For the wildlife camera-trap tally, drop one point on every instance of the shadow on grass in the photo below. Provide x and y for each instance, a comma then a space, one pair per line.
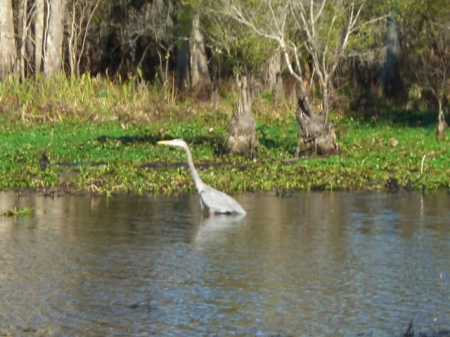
200, 165
275, 136
128, 140
213, 140
400, 118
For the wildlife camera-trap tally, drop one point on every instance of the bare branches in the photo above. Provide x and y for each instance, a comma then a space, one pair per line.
86, 33
320, 29
80, 14
237, 14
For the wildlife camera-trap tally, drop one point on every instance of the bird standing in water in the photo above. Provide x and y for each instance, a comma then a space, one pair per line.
216, 201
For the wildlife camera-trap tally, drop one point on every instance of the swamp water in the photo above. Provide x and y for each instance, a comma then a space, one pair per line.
313, 264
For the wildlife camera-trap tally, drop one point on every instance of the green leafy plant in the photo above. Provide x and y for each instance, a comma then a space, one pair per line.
17, 211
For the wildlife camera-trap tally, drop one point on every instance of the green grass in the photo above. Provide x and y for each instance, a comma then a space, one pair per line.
101, 137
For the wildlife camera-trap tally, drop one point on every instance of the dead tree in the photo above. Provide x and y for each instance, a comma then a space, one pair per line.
242, 126
317, 136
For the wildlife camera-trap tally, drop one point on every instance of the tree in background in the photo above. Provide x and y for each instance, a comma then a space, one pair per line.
79, 18
192, 60
200, 78
38, 35
171, 32
8, 51
23, 36
390, 79
53, 47
427, 50
44, 45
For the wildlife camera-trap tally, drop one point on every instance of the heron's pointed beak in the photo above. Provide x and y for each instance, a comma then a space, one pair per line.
164, 142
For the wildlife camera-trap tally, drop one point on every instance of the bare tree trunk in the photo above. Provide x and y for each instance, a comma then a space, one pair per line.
54, 37
242, 126
390, 74
73, 38
22, 32
8, 52
199, 64
38, 34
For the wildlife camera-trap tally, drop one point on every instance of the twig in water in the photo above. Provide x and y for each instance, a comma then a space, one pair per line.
410, 331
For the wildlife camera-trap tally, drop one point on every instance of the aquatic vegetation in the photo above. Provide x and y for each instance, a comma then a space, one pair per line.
99, 137
17, 211
105, 158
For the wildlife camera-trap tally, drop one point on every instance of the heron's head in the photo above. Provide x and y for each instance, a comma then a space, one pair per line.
174, 142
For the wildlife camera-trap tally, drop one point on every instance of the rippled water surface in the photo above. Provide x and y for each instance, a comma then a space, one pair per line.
312, 264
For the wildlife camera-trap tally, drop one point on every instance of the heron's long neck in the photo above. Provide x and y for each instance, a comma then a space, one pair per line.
198, 181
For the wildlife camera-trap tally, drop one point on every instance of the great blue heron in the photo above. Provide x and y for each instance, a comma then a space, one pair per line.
216, 201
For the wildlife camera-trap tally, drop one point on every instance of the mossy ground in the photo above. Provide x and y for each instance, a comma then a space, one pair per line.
93, 147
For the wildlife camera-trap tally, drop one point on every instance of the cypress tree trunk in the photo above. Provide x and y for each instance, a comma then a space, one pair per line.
198, 61
317, 136
390, 74
242, 126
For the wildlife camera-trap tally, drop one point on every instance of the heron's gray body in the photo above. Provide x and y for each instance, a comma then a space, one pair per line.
216, 201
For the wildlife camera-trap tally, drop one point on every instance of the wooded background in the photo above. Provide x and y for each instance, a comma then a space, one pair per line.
321, 54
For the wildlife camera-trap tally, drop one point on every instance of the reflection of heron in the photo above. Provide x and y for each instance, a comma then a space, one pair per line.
216, 201
214, 230
221, 222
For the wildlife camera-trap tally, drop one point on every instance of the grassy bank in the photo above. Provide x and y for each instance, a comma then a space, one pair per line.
95, 136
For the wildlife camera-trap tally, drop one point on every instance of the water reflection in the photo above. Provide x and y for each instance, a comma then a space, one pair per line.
215, 229
313, 264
